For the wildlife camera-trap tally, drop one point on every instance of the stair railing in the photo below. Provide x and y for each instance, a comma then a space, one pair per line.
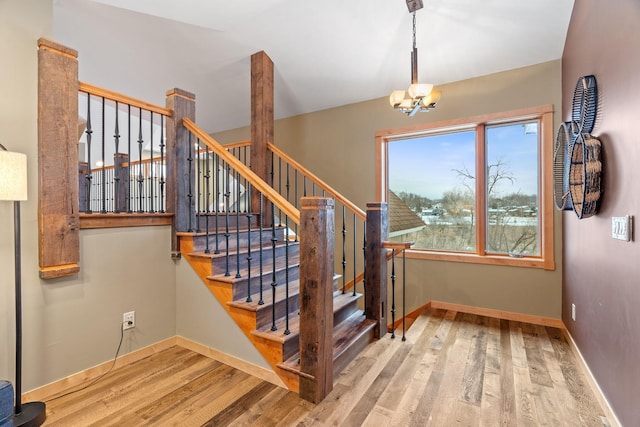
218, 189
398, 248
292, 180
122, 153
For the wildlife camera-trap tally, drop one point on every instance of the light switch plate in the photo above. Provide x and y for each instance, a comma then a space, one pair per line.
621, 227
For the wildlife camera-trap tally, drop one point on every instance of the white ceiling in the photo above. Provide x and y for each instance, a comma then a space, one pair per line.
326, 52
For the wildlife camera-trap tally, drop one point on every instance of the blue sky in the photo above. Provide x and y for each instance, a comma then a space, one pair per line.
425, 165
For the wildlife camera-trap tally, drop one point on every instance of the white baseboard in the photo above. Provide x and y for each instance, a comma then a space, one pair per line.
604, 403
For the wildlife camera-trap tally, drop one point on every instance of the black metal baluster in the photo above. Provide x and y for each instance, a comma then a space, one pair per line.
404, 285
116, 177
217, 206
151, 203
140, 166
364, 270
89, 175
162, 165
286, 275
286, 186
198, 184
261, 213
207, 193
129, 159
274, 283
393, 293
238, 225
344, 251
296, 201
247, 185
272, 173
249, 216
190, 192
280, 188
355, 232
304, 185
313, 188
227, 194
103, 171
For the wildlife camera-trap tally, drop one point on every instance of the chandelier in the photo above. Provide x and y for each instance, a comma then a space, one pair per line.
420, 96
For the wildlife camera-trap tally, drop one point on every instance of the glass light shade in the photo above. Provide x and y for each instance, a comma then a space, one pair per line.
419, 90
432, 98
396, 97
406, 103
13, 176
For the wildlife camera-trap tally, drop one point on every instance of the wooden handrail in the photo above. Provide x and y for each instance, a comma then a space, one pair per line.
125, 99
237, 144
247, 173
326, 187
397, 245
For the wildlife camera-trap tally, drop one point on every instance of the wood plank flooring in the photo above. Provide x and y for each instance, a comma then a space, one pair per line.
453, 369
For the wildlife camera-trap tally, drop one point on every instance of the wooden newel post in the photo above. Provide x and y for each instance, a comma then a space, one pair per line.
180, 171
262, 125
376, 271
316, 297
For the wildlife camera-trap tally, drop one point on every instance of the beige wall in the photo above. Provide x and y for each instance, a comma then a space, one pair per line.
73, 323
338, 145
201, 318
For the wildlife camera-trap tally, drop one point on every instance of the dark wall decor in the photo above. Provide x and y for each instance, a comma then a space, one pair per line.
577, 167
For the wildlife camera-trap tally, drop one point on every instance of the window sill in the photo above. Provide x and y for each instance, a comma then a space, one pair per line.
528, 262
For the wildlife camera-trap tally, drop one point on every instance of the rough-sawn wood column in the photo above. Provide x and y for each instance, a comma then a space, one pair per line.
180, 183
316, 297
261, 125
376, 261
58, 217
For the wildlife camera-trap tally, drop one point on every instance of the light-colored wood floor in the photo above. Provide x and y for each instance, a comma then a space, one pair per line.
453, 369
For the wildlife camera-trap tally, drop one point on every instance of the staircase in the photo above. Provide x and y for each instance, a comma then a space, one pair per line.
271, 323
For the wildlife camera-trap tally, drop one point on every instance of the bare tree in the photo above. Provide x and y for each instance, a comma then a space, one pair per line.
496, 173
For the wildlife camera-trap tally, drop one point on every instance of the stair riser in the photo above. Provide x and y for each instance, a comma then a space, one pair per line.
356, 348
264, 317
292, 346
345, 312
240, 286
201, 221
218, 263
200, 241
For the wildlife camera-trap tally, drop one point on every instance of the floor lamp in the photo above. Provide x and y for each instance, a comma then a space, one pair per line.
13, 187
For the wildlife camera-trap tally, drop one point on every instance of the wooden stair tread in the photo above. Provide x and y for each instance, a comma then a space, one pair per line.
267, 298
340, 301
346, 332
243, 250
278, 335
267, 268
232, 231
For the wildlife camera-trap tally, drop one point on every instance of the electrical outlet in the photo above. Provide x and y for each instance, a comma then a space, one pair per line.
573, 312
129, 320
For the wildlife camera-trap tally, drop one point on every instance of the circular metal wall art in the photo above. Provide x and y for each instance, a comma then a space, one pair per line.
561, 162
585, 103
585, 175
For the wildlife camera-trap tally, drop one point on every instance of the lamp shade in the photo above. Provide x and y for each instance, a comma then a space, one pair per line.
419, 90
13, 176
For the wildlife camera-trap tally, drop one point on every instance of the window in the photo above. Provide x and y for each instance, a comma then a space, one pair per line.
477, 187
